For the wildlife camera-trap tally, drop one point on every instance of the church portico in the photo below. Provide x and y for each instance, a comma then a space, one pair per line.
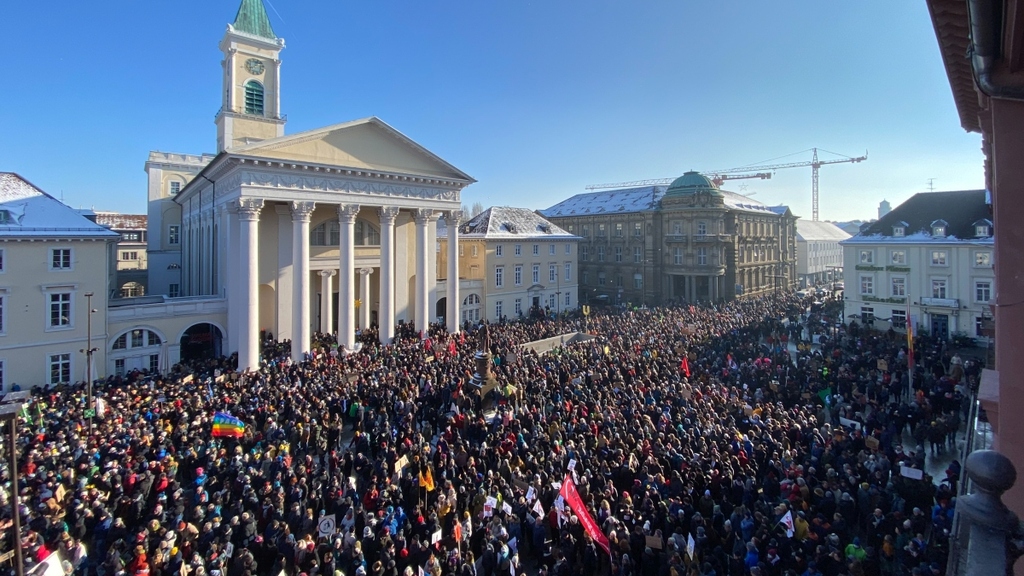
329, 229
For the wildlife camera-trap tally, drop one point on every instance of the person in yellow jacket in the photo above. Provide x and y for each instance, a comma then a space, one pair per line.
800, 527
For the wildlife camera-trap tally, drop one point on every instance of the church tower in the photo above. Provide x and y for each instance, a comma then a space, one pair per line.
251, 103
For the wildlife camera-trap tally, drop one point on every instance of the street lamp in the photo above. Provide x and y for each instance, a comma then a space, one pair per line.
89, 350
10, 406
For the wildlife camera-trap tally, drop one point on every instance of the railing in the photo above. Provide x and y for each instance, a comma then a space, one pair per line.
989, 534
978, 437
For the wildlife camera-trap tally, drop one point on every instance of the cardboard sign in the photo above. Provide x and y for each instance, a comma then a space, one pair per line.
521, 485
912, 473
748, 409
850, 423
506, 508
690, 546
60, 493
402, 463
556, 485
572, 464
489, 505
774, 385
531, 494
871, 442
883, 365
187, 379
435, 537
654, 542
513, 545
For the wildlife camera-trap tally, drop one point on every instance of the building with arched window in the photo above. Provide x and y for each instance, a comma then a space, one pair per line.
331, 229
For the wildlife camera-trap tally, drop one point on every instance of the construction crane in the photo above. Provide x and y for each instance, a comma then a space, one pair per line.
716, 177
815, 164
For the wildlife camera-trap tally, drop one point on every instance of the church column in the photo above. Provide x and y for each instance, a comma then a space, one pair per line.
231, 275
248, 257
230, 73
387, 273
346, 276
326, 299
301, 212
365, 303
423, 219
283, 329
453, 219
277, 88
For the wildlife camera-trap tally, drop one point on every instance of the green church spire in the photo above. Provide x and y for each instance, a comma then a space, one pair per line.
252, 19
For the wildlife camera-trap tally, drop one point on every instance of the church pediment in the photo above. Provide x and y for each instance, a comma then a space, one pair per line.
363, 145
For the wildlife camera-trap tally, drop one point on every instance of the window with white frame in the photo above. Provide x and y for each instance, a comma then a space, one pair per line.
867, 285
536, 273
981, 230
938, 287
174, 290
568, 299
154, 362
60, 369
499, 251
129, 255
677, 228
618, 229
638, 281
60, 310
938, 257
519, 250
601, 278
60, 259
471, 308
584, 253
475, 252
499, 276
899, 257
551, 249
982, 291
638, 229
498, 309
678, 256
519, 307
982, 259
702, 228
552, 303
600, 230
585, 230
462, 250
899, 286
867, 256
600, 253
174, 234
702, 256
568, 271
899, 318
585, 279
618, 279
568, 249
638, 254
939, 230
536, 249
899, 231
175, 188
517, 274
618, 253
552, 272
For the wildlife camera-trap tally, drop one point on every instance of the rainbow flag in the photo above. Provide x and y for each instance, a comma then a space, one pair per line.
227, 425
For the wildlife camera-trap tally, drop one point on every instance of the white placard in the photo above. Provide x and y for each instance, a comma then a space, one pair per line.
572, 464
850, 423
690, 546
531, 494
326, 526
506, 508
435, 537
912, 473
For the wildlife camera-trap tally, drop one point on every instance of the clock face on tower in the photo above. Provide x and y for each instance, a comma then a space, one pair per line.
254, 66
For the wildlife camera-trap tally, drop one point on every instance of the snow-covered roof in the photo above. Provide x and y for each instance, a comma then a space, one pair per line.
810, 230
643, 199
27, 211
957, 211
500, 222
117, 221
608, 202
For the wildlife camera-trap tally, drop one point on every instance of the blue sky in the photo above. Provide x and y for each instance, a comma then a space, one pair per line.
534, 99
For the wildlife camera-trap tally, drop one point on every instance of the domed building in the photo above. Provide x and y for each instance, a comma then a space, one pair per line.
685, 242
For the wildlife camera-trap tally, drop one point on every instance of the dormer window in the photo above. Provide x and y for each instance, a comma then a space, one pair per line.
939, 228
982, 228
5, 217
899, 231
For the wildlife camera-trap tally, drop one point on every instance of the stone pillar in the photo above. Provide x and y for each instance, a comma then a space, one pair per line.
326, 299
365, 302
453, 218
231, 276
284, 329
248, 258
346, 276
387, 273
301, 212
423, 219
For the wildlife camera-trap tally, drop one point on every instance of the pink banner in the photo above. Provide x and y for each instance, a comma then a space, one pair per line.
572, 498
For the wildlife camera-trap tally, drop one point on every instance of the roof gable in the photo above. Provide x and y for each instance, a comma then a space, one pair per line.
368, 144
510, 222
30, 212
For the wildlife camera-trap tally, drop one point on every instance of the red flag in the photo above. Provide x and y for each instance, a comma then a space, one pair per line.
427, 345
685, 366
572, 498
451, 347
462, 338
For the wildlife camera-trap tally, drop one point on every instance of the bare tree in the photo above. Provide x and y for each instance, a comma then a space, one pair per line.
477, 209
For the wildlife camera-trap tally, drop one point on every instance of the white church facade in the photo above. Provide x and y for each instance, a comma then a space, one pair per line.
326, 230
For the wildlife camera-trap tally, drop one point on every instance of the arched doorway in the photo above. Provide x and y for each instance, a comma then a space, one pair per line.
200, 342
441, 310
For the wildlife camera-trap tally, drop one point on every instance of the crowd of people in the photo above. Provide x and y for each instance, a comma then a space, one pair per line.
698, 443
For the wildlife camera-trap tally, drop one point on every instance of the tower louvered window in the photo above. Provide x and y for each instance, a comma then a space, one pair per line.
253, 98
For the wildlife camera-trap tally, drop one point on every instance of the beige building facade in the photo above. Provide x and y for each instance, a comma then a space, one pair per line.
51, 257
